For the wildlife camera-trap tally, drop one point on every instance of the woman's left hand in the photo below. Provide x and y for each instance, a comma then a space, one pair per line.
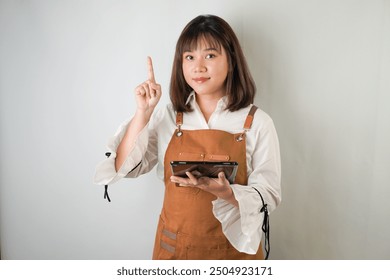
219, 187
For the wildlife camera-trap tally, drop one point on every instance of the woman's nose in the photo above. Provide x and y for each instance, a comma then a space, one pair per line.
200, 66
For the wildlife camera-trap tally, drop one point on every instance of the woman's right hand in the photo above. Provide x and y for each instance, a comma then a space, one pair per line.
147, 96
149, 92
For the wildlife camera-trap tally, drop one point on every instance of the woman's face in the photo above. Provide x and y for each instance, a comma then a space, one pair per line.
205, 69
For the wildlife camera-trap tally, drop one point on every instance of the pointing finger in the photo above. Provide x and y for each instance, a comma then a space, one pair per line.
150, 70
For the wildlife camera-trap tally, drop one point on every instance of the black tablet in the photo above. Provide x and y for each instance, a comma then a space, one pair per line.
205, 169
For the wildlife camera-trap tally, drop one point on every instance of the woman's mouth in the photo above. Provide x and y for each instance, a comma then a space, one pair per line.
200, 80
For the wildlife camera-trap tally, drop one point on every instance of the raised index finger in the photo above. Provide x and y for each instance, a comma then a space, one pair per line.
150, 69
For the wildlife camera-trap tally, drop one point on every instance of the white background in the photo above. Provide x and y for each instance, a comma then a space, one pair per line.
67, 74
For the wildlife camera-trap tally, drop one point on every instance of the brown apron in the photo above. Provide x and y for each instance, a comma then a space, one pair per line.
187, 228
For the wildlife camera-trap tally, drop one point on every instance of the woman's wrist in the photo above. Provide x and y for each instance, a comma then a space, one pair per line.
144, 114
230, 197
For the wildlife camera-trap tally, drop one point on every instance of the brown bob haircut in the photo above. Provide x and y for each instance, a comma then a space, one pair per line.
240, 87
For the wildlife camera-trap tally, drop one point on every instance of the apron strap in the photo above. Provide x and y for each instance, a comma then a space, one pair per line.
179, 122
248, 122
179, 118
249, 118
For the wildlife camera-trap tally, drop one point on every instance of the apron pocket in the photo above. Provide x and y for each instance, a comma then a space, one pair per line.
201, 156
185, 156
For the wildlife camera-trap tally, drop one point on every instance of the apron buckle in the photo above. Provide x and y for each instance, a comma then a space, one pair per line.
179, 132
240, 137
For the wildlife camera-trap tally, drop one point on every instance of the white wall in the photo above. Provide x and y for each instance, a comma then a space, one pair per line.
67, 73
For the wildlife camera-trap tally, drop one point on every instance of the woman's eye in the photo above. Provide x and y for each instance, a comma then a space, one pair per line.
210, 55
189, 57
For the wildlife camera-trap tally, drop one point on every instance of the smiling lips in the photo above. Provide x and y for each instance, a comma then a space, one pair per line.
200, 80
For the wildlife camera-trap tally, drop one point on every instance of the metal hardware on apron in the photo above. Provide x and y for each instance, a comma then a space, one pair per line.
187, 228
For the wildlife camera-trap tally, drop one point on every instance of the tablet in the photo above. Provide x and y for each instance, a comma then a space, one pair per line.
205, 169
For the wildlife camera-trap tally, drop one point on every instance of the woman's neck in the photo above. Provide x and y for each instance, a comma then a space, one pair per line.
207, 104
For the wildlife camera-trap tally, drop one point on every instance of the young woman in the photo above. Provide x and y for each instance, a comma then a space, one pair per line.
211, 118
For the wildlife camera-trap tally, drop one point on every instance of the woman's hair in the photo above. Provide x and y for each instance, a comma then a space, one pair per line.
240, 87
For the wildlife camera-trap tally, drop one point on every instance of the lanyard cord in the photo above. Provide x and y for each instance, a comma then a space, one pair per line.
106, 196
265, 226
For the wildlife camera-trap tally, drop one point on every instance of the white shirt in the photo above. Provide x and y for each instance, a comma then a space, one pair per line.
242, 225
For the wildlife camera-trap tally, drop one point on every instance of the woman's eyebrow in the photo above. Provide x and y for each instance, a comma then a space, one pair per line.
205, 50
210, 49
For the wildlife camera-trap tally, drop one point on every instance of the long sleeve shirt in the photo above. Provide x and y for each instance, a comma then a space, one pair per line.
241, 225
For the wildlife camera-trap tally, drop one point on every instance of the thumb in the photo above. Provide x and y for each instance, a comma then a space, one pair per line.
221, 176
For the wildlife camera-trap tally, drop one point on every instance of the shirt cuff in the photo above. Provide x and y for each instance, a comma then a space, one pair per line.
242, 225
105, 171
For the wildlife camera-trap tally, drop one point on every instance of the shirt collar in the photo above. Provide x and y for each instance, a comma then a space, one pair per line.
190, 97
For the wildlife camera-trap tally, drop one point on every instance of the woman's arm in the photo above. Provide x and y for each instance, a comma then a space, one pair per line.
147, 96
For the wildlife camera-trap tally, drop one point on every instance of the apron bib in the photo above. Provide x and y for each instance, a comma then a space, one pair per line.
187, 228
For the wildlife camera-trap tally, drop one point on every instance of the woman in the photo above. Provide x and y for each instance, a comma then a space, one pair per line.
211, 118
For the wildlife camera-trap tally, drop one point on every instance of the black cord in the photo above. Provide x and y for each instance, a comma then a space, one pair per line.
106, 196
265, 227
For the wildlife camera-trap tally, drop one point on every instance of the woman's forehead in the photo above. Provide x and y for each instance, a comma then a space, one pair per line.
203, 42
